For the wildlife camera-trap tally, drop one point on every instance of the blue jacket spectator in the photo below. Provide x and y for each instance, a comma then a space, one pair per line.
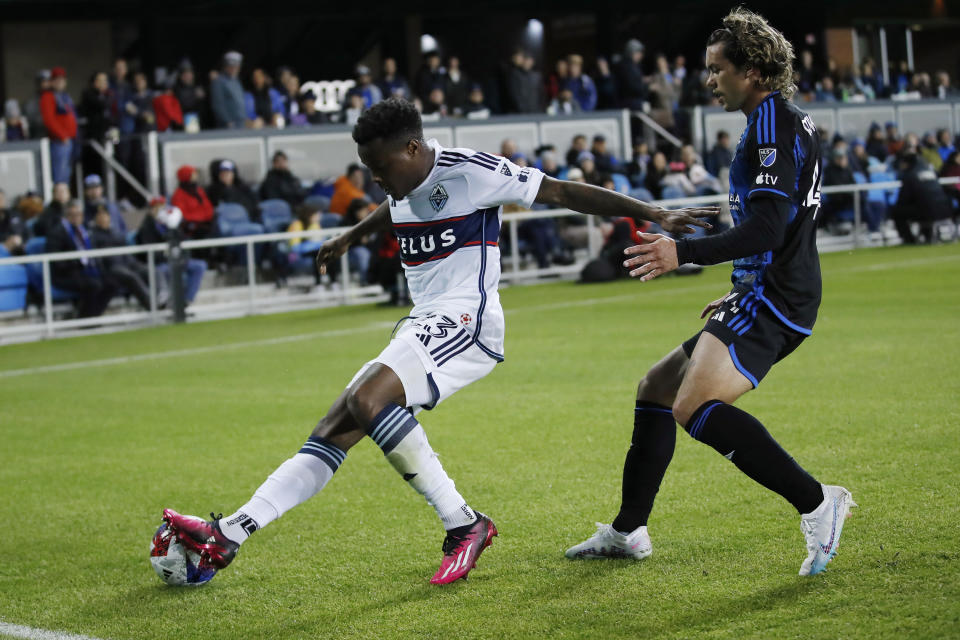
263, 101
392, 84
582, 86
93, 199
226, 94
371, 93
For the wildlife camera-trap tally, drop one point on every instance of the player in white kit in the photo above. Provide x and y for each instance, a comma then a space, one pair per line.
445, 208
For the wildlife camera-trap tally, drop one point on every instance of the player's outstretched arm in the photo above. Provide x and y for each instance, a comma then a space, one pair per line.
597, 201
336, 246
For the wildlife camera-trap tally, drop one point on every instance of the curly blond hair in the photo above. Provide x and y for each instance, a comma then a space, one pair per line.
749, 42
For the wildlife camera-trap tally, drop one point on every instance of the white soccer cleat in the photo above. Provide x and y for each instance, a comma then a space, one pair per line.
607, 542
822, 527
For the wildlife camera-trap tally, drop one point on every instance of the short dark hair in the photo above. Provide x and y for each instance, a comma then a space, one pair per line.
389, 119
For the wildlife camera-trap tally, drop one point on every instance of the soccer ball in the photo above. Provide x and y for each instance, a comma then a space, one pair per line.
176, 564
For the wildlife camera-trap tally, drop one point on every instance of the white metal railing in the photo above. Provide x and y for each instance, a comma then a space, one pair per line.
348, 292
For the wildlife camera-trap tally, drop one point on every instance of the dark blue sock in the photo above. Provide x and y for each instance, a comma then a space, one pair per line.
740, 438
651, 449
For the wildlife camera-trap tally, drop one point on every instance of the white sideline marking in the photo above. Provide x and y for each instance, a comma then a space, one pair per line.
20, 631
379, 326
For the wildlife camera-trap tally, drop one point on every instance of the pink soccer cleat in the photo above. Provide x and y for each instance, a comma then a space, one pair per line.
203, 537
462, 547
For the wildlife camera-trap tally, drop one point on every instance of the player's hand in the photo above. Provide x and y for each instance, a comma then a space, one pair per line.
713, 305
331, 250
682, 220
654, 258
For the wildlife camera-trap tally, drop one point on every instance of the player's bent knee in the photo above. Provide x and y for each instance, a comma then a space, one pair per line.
683, 409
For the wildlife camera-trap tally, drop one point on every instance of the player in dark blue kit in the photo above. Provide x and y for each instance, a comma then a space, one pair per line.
774, 199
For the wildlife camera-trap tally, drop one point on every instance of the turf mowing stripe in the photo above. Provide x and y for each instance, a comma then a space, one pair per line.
20, 631
587, 302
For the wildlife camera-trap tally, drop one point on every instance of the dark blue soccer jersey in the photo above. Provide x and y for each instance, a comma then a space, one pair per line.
779, 157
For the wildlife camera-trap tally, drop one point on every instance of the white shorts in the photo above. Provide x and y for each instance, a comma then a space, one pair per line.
434, 357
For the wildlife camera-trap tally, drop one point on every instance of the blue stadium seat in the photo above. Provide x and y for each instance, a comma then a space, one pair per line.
276, 215
230, 214
13, 287
318, 201
621, 183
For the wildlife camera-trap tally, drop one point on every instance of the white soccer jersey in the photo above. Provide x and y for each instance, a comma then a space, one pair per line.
448, 228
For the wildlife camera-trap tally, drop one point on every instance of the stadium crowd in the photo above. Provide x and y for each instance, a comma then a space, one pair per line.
119, 105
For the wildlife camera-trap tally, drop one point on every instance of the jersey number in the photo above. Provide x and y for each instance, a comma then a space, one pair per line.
813, 196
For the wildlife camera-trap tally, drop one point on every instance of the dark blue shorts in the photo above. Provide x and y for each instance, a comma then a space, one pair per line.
754, 336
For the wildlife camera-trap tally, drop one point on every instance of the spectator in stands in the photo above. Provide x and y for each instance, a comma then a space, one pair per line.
476, 108
825, 90
564, 104
192, 201
52, 214
371, 93
637, 167
921, 199
663, 95
166, 108
123, 271
358, 256
588, 165
119, 82
94, 199
353, 108
921, 85
96, 105
894, 141
392, 83
226, 94
704, 182
521, 93
631, 82
291, 96
11, 223
455, 87
137, 111
263, 104
876, 142
29, 206
950, 169
577, 146
943, 89
901, 77
945, 144
606, 85
60, 121
656, 172
808, 75
605, 161
83, 276
13, 126
348, 188
536, 82
869, 81
11, 246
308, 114
582, 86
190, 95
307, 219
557, 79
430, 74
836, 172
31, 109
549, 163
436, 105
158, 226
929, 150
508, 148
226, 186
281, 183
720, 155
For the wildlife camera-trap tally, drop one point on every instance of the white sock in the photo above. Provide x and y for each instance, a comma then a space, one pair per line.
405, 445
294, 482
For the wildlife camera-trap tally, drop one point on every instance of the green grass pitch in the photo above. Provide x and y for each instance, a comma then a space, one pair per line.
91, 455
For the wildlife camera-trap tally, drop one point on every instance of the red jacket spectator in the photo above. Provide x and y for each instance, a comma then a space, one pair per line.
59, 116
166, 107
190, 197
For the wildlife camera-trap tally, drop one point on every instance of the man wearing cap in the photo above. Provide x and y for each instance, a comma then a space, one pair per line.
94, 199
60, 120
633, 88
371, 93
308, 114
226, 94
192, 200
226, 186
83, 276
476, 108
